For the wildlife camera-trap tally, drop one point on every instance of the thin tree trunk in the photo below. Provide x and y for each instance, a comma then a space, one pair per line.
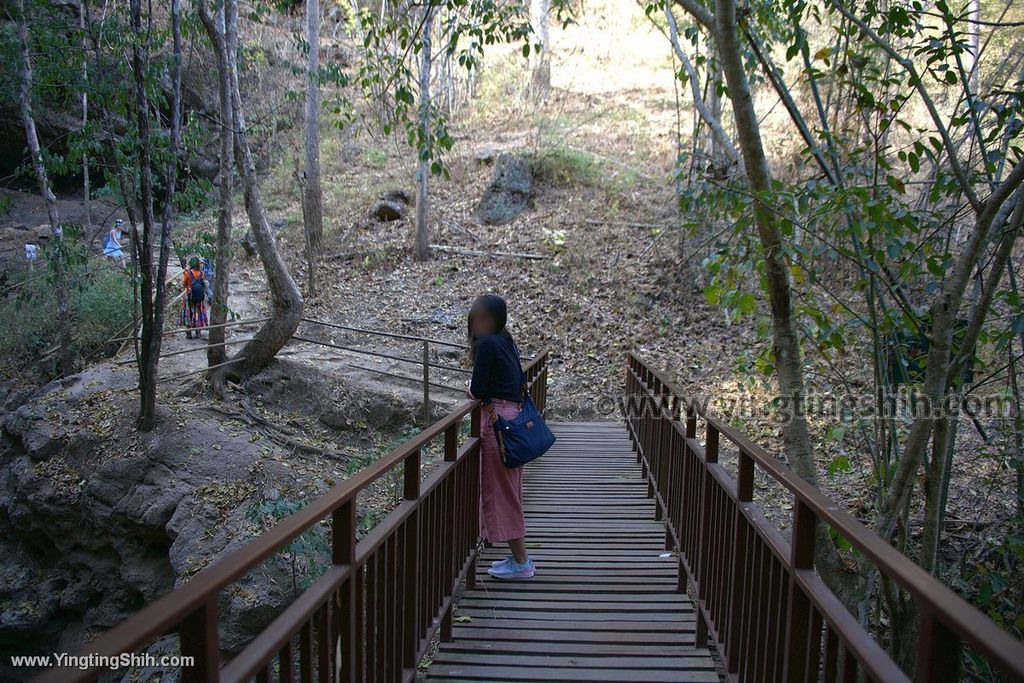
286, 299
147, 417
216, 31
313, 194
144, 247
35, 150
945, 430
974, 44
84, 98
540, 76
307, 245
719, 152
941, 368
421, 249
720, 139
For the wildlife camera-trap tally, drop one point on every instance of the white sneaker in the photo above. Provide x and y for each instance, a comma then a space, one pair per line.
498, 563
513, 570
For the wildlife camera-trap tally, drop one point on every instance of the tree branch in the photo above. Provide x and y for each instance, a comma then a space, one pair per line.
918, 84
698, 99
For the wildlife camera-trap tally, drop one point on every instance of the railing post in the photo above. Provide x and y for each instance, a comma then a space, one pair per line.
738, 580
200, 639
474, 480
426, 382
411, 564
450, 541
938, 651
343, 552
710, 457
451, 443
798, 614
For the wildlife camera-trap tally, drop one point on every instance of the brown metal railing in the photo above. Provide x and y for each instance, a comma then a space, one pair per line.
372, 614
758, 595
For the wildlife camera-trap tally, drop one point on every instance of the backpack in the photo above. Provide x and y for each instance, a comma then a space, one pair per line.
196, 290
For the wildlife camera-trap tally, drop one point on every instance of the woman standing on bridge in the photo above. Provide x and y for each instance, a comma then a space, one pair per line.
498, 380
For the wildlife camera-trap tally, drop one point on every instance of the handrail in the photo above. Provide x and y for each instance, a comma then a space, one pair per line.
758, 592
417, 554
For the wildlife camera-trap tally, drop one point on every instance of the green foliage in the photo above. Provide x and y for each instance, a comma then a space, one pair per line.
99, 297
375, 156
304, 554
392, 41
560, 165
992, 580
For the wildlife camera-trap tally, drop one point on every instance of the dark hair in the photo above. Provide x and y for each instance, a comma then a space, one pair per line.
496, 307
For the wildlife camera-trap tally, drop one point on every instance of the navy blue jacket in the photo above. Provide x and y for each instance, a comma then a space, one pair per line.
496, 371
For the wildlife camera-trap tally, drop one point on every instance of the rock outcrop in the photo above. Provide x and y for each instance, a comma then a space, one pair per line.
509, 191
97, 520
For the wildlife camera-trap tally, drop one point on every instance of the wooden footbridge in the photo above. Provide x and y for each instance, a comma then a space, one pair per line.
655, 563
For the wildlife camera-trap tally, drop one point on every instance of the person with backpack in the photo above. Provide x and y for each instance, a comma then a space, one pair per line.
193, 311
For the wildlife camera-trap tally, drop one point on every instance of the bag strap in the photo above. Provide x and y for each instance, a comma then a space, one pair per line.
498, 436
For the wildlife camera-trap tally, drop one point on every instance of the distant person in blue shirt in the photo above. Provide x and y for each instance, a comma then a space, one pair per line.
498, 381
112, 243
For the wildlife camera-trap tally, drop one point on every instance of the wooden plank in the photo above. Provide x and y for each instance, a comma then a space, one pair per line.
604, 605
556, 661
469, 672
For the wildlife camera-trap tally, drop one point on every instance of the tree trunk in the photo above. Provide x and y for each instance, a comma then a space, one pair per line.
286, 300
222, 42
974, 44
147, 361
719, 151
540, 76
147, 413
421, 249
313, 194
944, 431
84, 99
307, 245
35, 150
785, 342
720, 139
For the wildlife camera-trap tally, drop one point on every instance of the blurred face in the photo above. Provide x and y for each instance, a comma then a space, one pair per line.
481, 322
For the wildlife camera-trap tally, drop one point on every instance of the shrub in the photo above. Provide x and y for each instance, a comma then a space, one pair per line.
562, 165
100, 298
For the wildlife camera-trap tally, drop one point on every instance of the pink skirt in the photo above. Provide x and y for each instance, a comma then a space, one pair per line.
501, 488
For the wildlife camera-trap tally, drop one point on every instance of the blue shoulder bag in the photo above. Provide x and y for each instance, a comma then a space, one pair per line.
523, 438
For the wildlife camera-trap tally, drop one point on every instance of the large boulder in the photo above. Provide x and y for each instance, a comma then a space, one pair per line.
391, 206
509, 191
